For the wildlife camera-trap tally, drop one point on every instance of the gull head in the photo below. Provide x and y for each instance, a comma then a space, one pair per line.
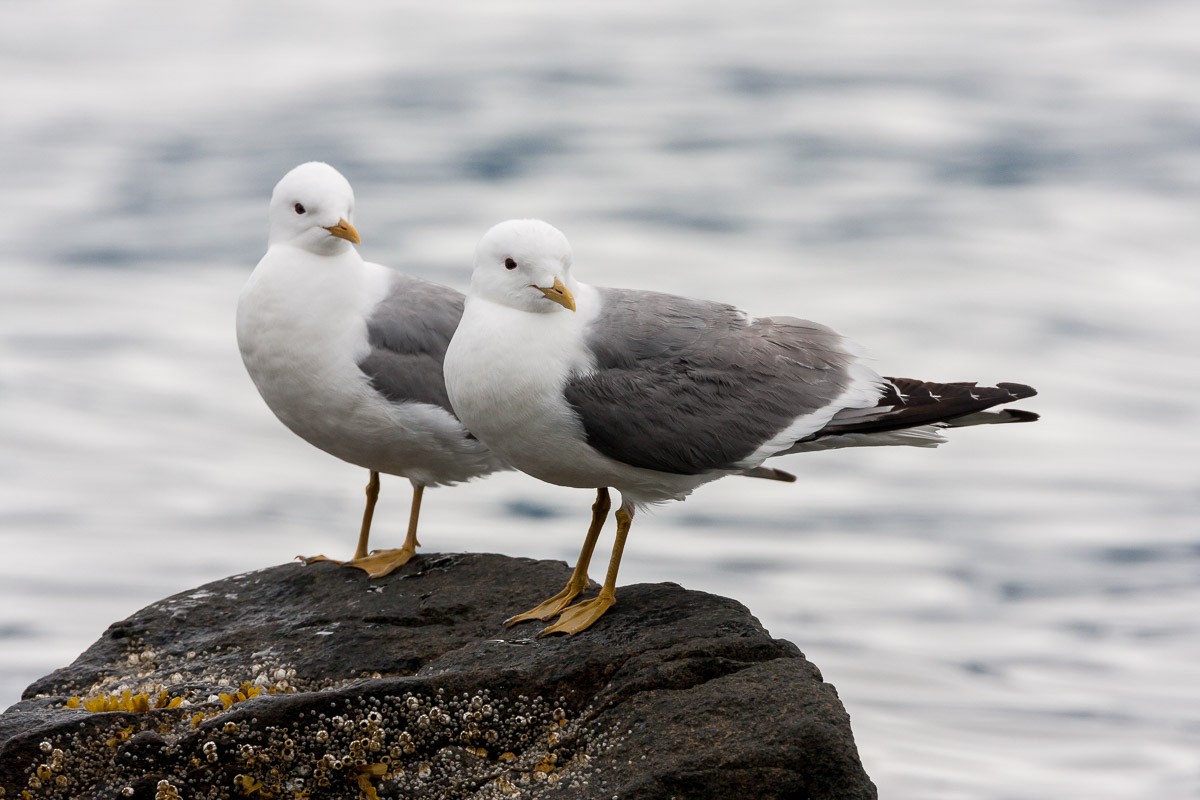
313, 208
525, 264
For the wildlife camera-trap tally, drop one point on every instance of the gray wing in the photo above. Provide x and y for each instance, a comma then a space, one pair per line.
687, 386
409, 332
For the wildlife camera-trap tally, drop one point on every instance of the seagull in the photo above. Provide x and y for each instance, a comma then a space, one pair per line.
348, 354
654, 394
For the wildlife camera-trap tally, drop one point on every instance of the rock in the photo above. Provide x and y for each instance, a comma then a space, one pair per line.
315, 682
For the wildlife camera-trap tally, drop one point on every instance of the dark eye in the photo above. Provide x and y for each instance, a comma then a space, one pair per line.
510, 264
298, 208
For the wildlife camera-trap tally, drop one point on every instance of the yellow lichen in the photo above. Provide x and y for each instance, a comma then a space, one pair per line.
244, 692
120, 736
247, 786
126, 701
364, 775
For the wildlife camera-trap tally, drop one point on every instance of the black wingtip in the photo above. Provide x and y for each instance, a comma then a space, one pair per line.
1017, 415
1019, 391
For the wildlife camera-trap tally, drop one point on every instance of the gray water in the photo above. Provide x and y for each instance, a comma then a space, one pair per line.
1000, 192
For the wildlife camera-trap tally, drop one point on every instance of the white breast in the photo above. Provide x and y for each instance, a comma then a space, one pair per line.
301, 327
505, 372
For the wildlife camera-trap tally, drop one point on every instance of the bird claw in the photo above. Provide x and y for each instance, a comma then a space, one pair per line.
308, 560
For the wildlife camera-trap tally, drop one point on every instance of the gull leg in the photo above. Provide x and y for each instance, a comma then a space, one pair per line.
365, 533
368, 514
384, 562
581, 616
579, 579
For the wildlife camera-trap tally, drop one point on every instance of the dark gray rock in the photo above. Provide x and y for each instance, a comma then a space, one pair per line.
410, 687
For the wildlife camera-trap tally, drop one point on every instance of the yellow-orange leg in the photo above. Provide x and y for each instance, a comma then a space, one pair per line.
364, 533
579, 579
581, 616
384, 562
381, 562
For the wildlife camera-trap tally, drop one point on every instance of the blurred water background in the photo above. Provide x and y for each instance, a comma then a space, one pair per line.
996, 192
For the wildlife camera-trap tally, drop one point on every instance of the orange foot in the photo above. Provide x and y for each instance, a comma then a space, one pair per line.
552, 607
580, 617
376, 564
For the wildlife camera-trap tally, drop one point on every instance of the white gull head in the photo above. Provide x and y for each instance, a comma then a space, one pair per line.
312, 208
525, 264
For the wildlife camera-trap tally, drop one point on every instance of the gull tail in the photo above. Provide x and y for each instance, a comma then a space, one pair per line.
914, 412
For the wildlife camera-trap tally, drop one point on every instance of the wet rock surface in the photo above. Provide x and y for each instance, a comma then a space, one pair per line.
315, 682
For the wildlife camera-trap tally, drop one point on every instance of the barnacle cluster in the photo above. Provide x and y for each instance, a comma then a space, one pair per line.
375, 745
147, 671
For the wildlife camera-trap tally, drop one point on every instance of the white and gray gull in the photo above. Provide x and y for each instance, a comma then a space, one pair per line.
654, 394
348, 354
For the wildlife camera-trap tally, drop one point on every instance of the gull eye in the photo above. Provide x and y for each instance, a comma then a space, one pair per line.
510, 264
298, 208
